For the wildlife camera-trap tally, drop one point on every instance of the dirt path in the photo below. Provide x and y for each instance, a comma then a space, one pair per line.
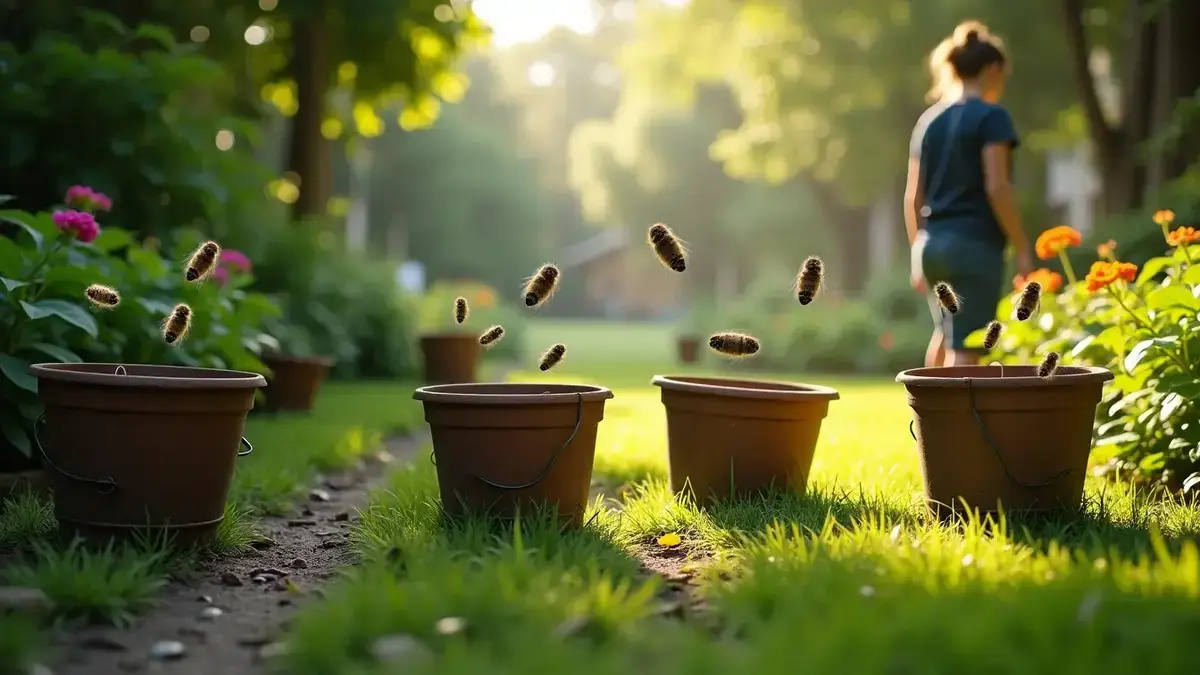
229, 618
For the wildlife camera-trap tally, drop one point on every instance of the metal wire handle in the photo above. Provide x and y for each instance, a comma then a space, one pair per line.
104, 486
549, 464
988, 439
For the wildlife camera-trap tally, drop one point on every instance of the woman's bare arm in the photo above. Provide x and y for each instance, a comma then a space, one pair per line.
914, 199
1001, 195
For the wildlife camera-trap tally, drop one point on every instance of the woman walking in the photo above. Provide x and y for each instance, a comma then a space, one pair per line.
960, 209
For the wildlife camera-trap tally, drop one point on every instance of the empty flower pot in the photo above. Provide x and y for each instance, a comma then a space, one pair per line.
294, 380
503, 447
736, 438
450, 358
688, 349
999, 437
131, 448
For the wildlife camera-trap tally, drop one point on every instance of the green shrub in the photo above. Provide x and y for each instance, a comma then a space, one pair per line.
45, 316
335, 303
129, 112
1145, 327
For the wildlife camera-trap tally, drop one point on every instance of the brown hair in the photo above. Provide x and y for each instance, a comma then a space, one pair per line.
963, 56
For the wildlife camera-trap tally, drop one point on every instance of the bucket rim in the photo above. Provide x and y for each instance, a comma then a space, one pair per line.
303, 360
961, 377
520, 393
146, 376
732, 387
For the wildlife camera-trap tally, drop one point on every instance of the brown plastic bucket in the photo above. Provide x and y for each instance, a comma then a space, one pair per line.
450, 358
689, 349
294, 380
1001, 437
736, 438
134, 447
505, 447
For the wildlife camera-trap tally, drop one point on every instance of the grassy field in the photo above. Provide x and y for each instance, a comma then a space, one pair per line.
848, 578
115, 584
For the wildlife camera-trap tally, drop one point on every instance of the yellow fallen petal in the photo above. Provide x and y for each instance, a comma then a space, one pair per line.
671, 539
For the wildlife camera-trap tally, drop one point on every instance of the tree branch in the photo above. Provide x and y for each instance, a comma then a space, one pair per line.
1077, 43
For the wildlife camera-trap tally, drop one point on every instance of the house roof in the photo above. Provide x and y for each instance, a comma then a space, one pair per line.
597, 246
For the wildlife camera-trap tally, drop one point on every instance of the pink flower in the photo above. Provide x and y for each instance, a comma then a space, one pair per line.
221, 275
79, 223
87, 199
235, 259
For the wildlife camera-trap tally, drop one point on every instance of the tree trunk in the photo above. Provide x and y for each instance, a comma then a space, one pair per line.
310, 156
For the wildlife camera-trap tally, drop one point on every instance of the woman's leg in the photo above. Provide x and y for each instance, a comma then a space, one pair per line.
958, 357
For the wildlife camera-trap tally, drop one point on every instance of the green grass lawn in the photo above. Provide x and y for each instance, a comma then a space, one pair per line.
848, 578
350, 419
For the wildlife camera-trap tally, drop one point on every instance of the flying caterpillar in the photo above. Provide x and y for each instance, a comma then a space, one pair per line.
103, 296
203, 260
1049, 365
808, 281
541, 285
667, 247
1030, 300
992, 336
177, 324
734, 344
947, 297
491, 335
553, 356
460, 310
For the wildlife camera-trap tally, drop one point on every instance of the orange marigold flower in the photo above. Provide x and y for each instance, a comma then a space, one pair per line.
1056, 239
1049, 280
1106, 249
1104, 273
1183, 236
1164, 217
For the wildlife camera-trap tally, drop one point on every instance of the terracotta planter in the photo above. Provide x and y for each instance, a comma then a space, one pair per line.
1017, 442
504, 448
136, 447
295, 380
450, 358
688, 349
735, 438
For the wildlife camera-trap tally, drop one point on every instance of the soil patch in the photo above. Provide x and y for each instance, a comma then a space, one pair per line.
229, 616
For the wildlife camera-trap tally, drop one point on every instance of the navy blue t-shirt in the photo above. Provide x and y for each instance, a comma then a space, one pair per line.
949, 140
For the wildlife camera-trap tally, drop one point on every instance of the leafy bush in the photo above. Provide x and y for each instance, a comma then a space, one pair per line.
884, 332
44, 313
129, 112
335, 303
436, 314
1145, 328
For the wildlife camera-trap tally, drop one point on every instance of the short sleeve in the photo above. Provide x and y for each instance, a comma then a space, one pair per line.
997, 127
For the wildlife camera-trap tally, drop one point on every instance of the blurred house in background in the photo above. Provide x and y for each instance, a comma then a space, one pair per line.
621, 280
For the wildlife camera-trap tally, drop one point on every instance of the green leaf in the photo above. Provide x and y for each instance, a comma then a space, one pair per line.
67, 311
74, 277
12, 258
14, 432
1152, 268
156, 33
1167, 297
16, 218
17, 372
1127, 437
113, 238
12, 284
6, 198
148, 263
1141, 349
60, 354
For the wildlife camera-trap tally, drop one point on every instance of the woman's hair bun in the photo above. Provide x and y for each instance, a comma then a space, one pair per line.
971, 38
970, 33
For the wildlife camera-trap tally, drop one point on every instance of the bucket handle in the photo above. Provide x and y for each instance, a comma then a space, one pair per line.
988, 439
104, 486
549, 464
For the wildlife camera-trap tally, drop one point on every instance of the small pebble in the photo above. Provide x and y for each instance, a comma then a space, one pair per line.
284, 584
230, 579
268, 572
262, 579
26, 600
263, 544
319, 495
301, 523
206, 599
341, 517
451, 625
307, 512
272, 651
167, 650
210, 613
333, 543
298, 563
102, 643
